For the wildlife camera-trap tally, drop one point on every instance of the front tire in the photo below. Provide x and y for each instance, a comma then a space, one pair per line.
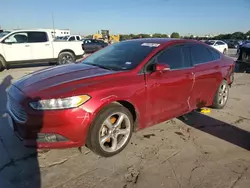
221, 96
2, 64
111, 131
224, 51
66, 58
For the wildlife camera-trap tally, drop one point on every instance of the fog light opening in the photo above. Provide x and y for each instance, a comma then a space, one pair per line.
49, 137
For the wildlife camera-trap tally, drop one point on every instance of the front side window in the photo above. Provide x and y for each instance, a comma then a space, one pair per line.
17, 38
200, 54
121, 56
173, 57
87, 41
210, 42
220, 43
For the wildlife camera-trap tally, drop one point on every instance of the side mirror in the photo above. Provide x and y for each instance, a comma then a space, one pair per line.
162, 67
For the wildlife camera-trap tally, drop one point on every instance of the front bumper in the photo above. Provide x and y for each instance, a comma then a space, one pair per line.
52, 129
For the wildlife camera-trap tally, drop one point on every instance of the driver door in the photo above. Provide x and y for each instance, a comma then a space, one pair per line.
168, 92
17, 48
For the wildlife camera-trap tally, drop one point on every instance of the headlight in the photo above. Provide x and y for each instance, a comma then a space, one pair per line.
60, 103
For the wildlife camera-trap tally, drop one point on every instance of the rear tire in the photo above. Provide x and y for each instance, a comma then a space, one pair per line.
244, 56
66, 58
221, 96
224, 51
2, 64
101, 138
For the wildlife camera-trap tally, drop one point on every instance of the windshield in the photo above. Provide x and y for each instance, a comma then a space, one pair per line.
4, 33
210, 42
121, 56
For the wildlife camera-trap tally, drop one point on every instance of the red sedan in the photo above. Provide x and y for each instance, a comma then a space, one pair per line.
116, 91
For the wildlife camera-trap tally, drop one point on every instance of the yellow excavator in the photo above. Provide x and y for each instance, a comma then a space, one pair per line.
105, 36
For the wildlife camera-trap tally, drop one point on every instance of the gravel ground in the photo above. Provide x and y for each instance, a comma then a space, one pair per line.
205, 151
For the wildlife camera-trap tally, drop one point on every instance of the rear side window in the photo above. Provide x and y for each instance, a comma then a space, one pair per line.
37, 37
77, 38
200, 54
216, 55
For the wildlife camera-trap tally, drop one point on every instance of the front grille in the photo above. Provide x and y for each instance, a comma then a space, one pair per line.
16, 110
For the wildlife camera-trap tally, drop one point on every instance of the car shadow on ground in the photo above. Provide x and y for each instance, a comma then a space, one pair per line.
29, 65
219, 129
242, 67
19, 167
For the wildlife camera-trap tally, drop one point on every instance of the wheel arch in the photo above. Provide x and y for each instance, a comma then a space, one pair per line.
4, 63
67, 50
125, 103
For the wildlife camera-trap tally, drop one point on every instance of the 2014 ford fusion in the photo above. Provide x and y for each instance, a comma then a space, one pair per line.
116, 91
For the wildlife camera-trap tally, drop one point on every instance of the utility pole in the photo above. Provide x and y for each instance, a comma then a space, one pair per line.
53, 22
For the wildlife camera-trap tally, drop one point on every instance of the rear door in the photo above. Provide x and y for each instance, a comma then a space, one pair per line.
168, 92
207, 74
41, 47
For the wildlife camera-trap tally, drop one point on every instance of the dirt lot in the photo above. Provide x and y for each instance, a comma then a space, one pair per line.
201, 151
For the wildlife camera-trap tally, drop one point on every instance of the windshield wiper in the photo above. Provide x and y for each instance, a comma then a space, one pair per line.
101, 66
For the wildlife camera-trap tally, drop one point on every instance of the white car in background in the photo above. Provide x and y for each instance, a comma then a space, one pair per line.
72, 38
30, 46
218, 45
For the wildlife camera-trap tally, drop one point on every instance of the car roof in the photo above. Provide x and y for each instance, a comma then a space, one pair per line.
154, 40
163, 41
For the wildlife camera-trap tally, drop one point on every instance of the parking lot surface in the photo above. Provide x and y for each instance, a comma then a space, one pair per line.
201, 150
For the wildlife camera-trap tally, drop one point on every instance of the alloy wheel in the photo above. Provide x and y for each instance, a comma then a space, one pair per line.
223, 94
114, 132
66, 59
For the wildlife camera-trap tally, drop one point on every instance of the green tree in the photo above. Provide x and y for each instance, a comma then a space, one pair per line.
124, 37
143, 35
157, 35
247, 33
238, 35
175, 35
132, 36
164, 36
89, 36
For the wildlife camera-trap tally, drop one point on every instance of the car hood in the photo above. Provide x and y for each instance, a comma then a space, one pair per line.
55, 77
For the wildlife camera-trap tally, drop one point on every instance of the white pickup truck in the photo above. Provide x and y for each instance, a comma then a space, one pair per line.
29, 46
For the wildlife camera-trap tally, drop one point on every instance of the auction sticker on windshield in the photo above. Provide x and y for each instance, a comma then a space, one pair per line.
150, 44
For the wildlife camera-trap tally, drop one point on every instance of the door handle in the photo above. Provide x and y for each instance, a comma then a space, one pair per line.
46, 44
27, 45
